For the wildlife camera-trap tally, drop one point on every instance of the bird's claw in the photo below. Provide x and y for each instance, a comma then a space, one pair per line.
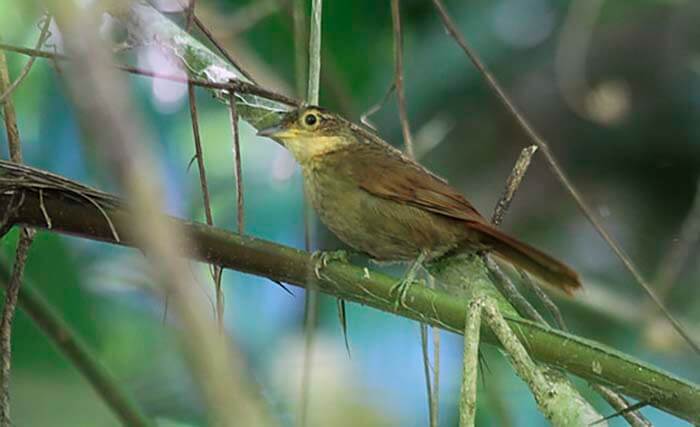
402, 286
323, 258
400, 289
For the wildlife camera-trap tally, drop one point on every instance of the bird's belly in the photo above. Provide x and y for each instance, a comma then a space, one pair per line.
384, 229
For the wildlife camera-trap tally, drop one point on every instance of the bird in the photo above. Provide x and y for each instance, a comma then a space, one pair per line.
384, 204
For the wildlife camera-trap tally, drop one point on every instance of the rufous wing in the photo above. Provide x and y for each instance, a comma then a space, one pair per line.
398, 178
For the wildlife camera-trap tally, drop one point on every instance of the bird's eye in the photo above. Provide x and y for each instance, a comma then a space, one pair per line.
310, 119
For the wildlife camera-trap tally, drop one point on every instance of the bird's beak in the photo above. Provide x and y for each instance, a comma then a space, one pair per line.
276, 131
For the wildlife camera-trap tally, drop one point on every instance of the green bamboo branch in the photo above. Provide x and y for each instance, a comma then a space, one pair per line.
35, 198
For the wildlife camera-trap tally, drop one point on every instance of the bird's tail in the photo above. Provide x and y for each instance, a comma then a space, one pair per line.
551, 271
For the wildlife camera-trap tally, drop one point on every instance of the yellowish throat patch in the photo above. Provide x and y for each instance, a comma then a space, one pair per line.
305, 147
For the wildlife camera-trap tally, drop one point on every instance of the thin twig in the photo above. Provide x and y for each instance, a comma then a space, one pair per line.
619, 403
506, 286
435, 401
215, 271
43, 209
364, 118
11, 294
189, 13
511, 292
310, 320
426, 372
221, 49
9, 115
238, 173
43, 35
398, 77
559, 172
545, 299
238, 86
192, 18
26, 236
513, 183
199, 155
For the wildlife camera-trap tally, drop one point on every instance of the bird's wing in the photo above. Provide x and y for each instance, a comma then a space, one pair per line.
388, 174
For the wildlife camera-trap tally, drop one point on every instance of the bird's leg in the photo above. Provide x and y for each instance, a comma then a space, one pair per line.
323, 258
401, 287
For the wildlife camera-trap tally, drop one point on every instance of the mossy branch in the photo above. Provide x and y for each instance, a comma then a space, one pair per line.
36, 198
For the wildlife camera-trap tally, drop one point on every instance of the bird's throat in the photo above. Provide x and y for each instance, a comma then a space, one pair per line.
306, 150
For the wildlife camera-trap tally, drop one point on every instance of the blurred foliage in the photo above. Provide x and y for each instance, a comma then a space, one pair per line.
631, 141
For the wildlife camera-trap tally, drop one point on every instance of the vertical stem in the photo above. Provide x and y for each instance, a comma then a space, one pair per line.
435, 391
216, 271
311, 299
8, 313
237, 163
426, 372
189, 13
470, 364
435, 411
199, 154
238, 174
312, 94
9, 114
398, 77
513, 183
26, 235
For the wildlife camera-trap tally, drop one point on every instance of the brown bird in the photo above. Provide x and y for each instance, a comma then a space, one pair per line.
384, 204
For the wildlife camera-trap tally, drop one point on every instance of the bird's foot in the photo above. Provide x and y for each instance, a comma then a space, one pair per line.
323, 258
400, 290
402, 286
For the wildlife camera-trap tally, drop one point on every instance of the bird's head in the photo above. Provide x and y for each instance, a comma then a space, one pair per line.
310, 131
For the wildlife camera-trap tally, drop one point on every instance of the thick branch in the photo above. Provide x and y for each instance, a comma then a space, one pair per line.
71, 208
